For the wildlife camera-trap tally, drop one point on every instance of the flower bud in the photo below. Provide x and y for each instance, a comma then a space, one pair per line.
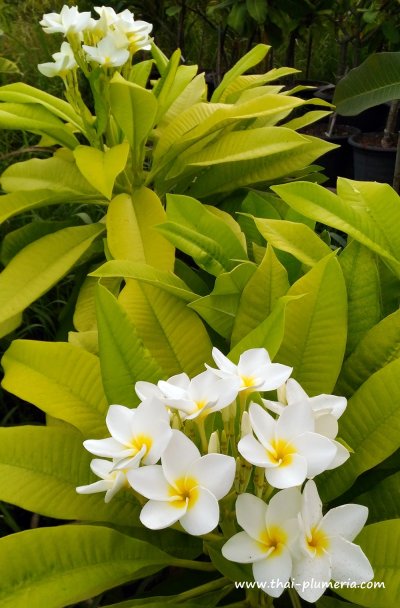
245, 427
214, 445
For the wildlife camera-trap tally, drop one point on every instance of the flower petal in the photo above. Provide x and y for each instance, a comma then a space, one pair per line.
202, 514
215, 472
327, 425
223, 363
119, 483
162, 434
346, 521
349, 562
92, 488
251, 514
295, 420
311, 510
263, 424
289, 475
120, 423
311, 577
342, 454
319, 451
147, 414
274, 376
151, 483
294, 392
285, 505
273, 406
109, 448
178, 457
254, 452
274, 572
158, 515
101, 468
243, 549
329, 403
251, 360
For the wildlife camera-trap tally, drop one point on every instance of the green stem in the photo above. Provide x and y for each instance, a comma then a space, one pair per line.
202, 589
190, 564
294, 598
202, 433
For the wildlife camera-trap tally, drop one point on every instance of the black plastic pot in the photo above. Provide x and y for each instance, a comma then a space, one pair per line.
371, 161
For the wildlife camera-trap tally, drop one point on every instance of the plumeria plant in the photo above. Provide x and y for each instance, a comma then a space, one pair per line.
225, 413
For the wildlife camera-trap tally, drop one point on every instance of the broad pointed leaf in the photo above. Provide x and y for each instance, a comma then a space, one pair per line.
99, 168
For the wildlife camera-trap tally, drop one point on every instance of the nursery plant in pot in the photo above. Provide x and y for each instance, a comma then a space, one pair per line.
374, 82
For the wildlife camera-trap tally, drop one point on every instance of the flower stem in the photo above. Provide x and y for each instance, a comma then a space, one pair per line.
294, 598
202, 433
191, 564
203, 589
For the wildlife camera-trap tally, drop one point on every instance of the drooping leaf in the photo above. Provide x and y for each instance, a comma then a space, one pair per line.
370, 425
123, 358
99, 168
380, 543
58, 566
36, 475
316, 327
363, 291
62, 380
41, 264
259, 296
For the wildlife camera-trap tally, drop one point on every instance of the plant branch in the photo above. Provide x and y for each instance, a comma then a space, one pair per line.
191, 564
203, 589
294, 598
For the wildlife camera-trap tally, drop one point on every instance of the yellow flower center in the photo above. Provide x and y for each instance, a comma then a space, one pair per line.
139, 441
281, 452
317, 541
200, 404
186, 491
273, 540
247, 381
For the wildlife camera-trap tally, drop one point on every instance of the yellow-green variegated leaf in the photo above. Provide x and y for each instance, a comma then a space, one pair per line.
316, 327
37, 267
131, 233
380, 543
59, 566
174, 334
263, 290
368, 212
379, 346
294, 238
99, 168
62, 380
361, 275
58, 173
370, 425
123, 358
22, 93
283, 154
36, 475
36, 119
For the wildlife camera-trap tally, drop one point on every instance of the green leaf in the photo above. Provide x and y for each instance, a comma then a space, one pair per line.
144, 273
332, 602
368, 212
20, 92
99, 168
247, 62
59, 566
383, 500
131, 233
174, 334
36, 475
363, 291
233, 571
41, 265
201, 234
36, 119
62, 380
258, 10
259, 296
194, 93
371, 425
134, 109
316, 327
380, 543
373, 82
380, 346
123, 358
8, 67
294, 238
268, 334
58, 173
219, 308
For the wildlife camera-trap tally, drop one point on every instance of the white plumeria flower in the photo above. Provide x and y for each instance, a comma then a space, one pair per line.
254, 372
64, 61
288, 448
138, 436
204, 394
148, 390
325, 547
326, 410
137, 32
108, 17
111, 480
186, 487
269, 531
68, 21
111, 51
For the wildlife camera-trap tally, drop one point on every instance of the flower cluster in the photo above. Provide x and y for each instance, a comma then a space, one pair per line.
110, 41
246, 453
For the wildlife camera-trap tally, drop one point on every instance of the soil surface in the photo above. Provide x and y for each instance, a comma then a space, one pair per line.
368, 140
